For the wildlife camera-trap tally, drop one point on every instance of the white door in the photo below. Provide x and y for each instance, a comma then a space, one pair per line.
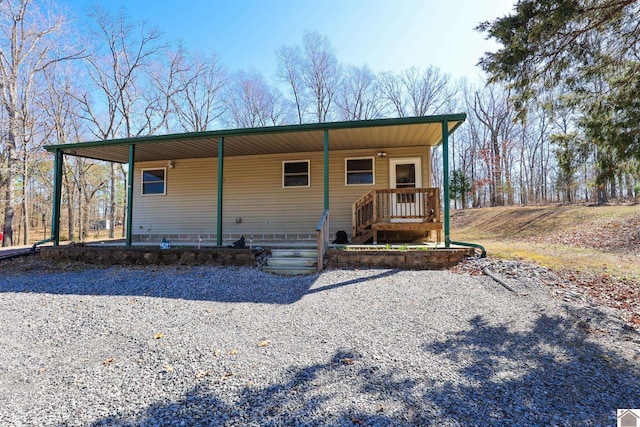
406, 173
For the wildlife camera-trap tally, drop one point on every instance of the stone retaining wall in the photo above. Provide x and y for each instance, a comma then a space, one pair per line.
150, 256
435, 259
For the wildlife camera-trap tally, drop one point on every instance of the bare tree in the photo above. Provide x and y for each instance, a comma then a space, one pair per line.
289, 59
417, 92
393, 91
120, 71
60, 104
428, 91
313, 74
199, 102
359, 95
252, 102
492, 109
29, 44
321, 72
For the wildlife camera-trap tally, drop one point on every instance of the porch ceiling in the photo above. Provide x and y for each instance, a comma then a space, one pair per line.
375, 134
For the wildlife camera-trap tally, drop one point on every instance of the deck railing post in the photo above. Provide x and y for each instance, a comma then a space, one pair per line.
374, 207
354, 221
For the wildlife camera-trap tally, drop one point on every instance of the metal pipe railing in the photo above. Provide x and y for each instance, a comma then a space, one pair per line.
322, 231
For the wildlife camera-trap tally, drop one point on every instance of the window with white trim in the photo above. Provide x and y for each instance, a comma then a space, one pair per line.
359, 171
295, 174
154, 181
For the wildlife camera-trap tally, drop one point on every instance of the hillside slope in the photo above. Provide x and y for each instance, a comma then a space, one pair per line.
583, 238
596, 249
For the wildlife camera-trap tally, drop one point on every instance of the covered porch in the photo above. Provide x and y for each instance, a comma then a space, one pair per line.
392, 205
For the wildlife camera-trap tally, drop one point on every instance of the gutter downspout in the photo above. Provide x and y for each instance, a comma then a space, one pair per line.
483, 251
31, 251
445, 169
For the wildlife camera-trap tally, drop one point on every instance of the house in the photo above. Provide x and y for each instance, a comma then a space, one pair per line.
370, 178
627, 418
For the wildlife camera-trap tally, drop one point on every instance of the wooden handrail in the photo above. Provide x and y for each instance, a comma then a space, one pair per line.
408, 203
363, 212
385, 205
322, 231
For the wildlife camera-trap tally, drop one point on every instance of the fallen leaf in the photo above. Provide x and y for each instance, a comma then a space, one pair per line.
250, 384
357, 421
380, 408
264, 343
168, 368
108, 361
216, 352
227, 375
233, 351
42, 370
347, 361
158, 335
201, 374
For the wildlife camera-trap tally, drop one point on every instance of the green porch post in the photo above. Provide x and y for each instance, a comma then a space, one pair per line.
132, 156
57, 197
445, 172
220, 181
326, 169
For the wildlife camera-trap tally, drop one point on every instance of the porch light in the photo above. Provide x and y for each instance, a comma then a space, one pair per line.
170, 164
382, 155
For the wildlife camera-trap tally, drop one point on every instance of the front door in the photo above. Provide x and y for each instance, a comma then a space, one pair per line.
405, 173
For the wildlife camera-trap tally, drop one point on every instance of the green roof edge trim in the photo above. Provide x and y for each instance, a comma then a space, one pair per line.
460, 117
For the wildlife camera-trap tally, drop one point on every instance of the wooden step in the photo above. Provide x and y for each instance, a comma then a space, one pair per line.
363, 238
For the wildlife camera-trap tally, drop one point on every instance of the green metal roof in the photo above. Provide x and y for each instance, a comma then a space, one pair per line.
380, 133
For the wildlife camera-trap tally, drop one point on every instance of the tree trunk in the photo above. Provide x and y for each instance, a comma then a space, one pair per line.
10, 197
71, 196
25, 199
496, 187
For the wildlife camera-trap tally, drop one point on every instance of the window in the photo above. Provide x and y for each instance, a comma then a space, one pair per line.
359, 171
295, 174
153, 181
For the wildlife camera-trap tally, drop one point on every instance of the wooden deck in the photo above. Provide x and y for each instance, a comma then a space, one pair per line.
396, 215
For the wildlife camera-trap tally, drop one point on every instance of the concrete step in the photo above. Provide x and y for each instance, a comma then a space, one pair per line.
294, 253
289, 270
292, 261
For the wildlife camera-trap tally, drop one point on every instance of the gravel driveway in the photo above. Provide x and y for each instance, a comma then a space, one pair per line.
236, 346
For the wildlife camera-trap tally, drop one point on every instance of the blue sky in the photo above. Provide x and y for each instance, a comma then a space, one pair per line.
389, 35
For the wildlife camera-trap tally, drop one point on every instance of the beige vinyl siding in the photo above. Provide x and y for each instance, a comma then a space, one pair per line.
253, 192
342, 197
189, 205
255, 202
